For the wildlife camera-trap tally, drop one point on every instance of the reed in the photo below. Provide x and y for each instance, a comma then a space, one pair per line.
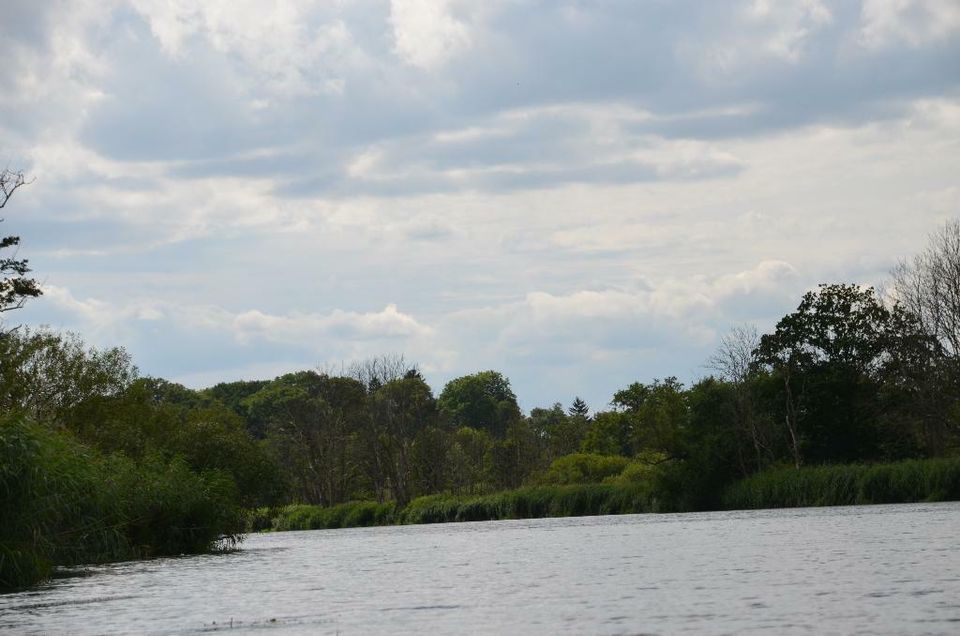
353, 514
849, 484
62, 503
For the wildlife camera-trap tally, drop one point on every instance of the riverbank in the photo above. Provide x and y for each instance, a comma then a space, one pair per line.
899, 482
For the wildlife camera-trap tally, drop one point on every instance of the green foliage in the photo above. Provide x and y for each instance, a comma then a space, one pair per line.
583, 468
64, 503
530, 503
470, 460
48, 375
835, 358
850, 484
353, 514
483, 401
610, 433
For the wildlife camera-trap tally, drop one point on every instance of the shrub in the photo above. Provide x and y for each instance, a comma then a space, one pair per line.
583, 468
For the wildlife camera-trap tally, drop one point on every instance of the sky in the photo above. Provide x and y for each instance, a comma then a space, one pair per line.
578, 194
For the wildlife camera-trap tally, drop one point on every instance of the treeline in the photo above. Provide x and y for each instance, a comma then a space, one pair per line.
99, 463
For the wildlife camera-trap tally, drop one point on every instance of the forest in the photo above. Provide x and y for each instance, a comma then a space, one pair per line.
851, 398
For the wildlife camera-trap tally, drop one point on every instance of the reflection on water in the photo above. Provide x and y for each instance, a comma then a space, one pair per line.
878, 569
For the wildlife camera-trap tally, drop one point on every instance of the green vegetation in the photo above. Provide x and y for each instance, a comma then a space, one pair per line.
851, 484
525, 503
354, 514
64, 503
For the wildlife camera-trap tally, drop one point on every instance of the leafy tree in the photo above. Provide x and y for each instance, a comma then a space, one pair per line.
313, 424
470, 460
233, 394
829, 357
400, 410
515, 458
482, 401
430, 460
560, 434
610, 433
47, 375
15, 286
650, 416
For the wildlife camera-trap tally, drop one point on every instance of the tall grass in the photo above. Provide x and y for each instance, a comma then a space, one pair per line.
525, 503
900, 482
531, 503
62, 503
353, 514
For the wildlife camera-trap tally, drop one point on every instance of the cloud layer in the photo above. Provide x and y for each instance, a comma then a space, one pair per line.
580, 194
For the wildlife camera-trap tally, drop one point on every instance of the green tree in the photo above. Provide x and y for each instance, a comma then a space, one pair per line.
483, 401
313, 425
48, 375
610, 433
470, 461
829, 357
579, 408
400, 410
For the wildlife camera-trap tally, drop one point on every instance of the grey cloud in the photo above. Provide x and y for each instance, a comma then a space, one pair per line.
647, 55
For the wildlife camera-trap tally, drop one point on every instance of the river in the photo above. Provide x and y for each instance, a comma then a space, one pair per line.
870, 569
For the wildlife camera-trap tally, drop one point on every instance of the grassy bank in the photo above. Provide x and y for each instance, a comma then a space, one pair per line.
851, 484
900, 482
63, 503
525, 503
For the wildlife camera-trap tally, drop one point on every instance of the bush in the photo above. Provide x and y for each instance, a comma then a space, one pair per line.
583, 468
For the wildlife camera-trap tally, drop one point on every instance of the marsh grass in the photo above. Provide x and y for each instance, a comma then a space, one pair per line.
525, 503
352, 514
850, 484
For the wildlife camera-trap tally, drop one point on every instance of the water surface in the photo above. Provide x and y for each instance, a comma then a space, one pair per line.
868, 569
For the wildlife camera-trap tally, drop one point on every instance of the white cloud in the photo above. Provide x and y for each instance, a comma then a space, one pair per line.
426, 32
300, 328
282, 44
914, 22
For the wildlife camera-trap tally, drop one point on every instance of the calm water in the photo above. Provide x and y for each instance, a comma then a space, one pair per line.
879, 569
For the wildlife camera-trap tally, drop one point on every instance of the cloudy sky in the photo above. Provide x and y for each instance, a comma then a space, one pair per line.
580, 194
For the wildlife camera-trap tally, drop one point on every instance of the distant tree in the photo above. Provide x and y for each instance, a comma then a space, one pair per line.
15, 287
830, 356
313, 424
482, 401
579, 408
470, 461
400, 411
610, 433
